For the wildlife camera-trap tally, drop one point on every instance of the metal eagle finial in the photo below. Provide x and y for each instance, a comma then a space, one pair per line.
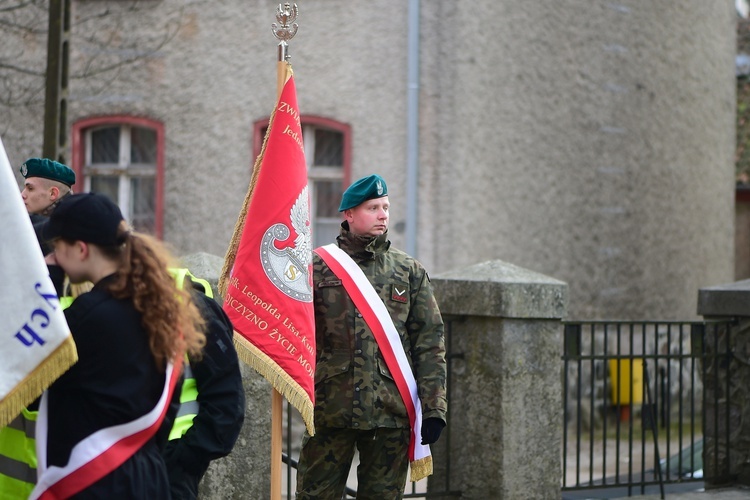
287, 28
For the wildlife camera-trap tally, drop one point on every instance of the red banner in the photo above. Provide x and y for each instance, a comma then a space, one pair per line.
269, 288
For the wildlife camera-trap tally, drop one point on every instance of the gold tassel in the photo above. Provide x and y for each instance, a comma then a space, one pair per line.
279, 379
38, 380
421, 468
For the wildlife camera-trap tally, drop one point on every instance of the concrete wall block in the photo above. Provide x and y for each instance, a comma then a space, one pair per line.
725, 383
506, 394
500, 289
246, 472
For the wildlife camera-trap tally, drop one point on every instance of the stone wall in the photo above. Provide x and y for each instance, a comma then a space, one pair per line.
727, 385
505, 402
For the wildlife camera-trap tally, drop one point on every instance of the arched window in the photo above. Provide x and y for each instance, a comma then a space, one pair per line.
123, 157
328, 155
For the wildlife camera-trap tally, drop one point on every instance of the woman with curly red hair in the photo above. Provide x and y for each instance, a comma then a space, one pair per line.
102, 425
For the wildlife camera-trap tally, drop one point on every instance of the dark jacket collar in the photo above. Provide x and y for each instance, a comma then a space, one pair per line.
362, 247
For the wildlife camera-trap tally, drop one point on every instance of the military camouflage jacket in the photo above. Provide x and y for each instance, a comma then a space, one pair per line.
353, 386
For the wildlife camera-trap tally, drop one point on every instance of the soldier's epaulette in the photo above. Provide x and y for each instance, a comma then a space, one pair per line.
323, 284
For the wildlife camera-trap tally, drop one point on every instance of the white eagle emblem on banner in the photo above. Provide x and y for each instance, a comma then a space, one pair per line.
289, 268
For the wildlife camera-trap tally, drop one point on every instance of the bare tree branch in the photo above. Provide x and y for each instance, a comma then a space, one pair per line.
104, 41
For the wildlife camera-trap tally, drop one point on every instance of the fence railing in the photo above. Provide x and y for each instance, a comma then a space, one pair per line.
634, 403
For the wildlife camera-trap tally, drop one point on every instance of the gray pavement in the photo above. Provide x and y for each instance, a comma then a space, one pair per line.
679, 491
714, 494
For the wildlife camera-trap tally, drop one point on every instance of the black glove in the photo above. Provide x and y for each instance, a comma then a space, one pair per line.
431, 429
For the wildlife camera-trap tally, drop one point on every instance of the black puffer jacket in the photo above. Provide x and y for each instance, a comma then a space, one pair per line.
115, 380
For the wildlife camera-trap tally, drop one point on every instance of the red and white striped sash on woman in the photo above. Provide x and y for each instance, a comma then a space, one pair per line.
376, 315
100, 453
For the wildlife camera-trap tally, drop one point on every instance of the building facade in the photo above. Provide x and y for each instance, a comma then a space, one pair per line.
589, 140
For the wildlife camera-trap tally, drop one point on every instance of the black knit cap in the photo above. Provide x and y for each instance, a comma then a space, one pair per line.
89, 217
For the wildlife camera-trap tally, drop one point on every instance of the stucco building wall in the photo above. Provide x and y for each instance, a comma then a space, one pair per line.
589, 141
594, 142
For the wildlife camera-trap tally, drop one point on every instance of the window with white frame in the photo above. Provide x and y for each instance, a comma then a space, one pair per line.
121, 162
324, 153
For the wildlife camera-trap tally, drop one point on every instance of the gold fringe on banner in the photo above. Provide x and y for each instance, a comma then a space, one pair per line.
420, 469
279, 379
246, 351
42, 377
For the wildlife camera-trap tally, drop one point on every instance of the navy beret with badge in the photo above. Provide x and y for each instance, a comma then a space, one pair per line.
367, 188
48, 169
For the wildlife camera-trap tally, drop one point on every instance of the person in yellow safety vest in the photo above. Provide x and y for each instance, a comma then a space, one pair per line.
18, 448
18, 456
212, 398
189, 405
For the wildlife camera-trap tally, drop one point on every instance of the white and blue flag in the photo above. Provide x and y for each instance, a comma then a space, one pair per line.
36, 345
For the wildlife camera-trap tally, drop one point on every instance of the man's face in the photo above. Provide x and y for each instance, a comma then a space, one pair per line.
38, 194
369, 218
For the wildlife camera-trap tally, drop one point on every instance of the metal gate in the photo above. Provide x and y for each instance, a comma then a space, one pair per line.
634, 404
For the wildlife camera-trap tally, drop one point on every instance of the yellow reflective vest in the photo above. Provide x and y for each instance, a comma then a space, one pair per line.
189, 405
18, 456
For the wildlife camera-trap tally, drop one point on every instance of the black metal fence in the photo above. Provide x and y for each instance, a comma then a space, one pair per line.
439, 486
634, 403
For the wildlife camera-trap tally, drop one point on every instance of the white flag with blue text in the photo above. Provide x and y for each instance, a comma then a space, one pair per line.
36, 343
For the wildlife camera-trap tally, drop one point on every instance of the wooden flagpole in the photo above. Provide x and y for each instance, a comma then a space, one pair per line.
277, 412
283, 31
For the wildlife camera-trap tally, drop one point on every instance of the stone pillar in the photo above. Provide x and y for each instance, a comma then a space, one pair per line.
246, 472
505, 400
727, 460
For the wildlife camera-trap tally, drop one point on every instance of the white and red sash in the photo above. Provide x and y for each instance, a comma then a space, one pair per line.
376, 315
100, 453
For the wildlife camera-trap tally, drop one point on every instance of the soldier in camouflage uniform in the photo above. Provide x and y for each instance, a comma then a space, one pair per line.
357, 403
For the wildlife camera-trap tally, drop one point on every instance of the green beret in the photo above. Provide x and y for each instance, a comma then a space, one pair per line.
48, 169
367, 188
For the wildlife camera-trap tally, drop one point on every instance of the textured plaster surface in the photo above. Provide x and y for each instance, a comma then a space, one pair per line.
500, 289
506, 397
505, 409
590, 141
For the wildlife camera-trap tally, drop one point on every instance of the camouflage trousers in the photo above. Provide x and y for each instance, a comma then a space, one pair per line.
326, 458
